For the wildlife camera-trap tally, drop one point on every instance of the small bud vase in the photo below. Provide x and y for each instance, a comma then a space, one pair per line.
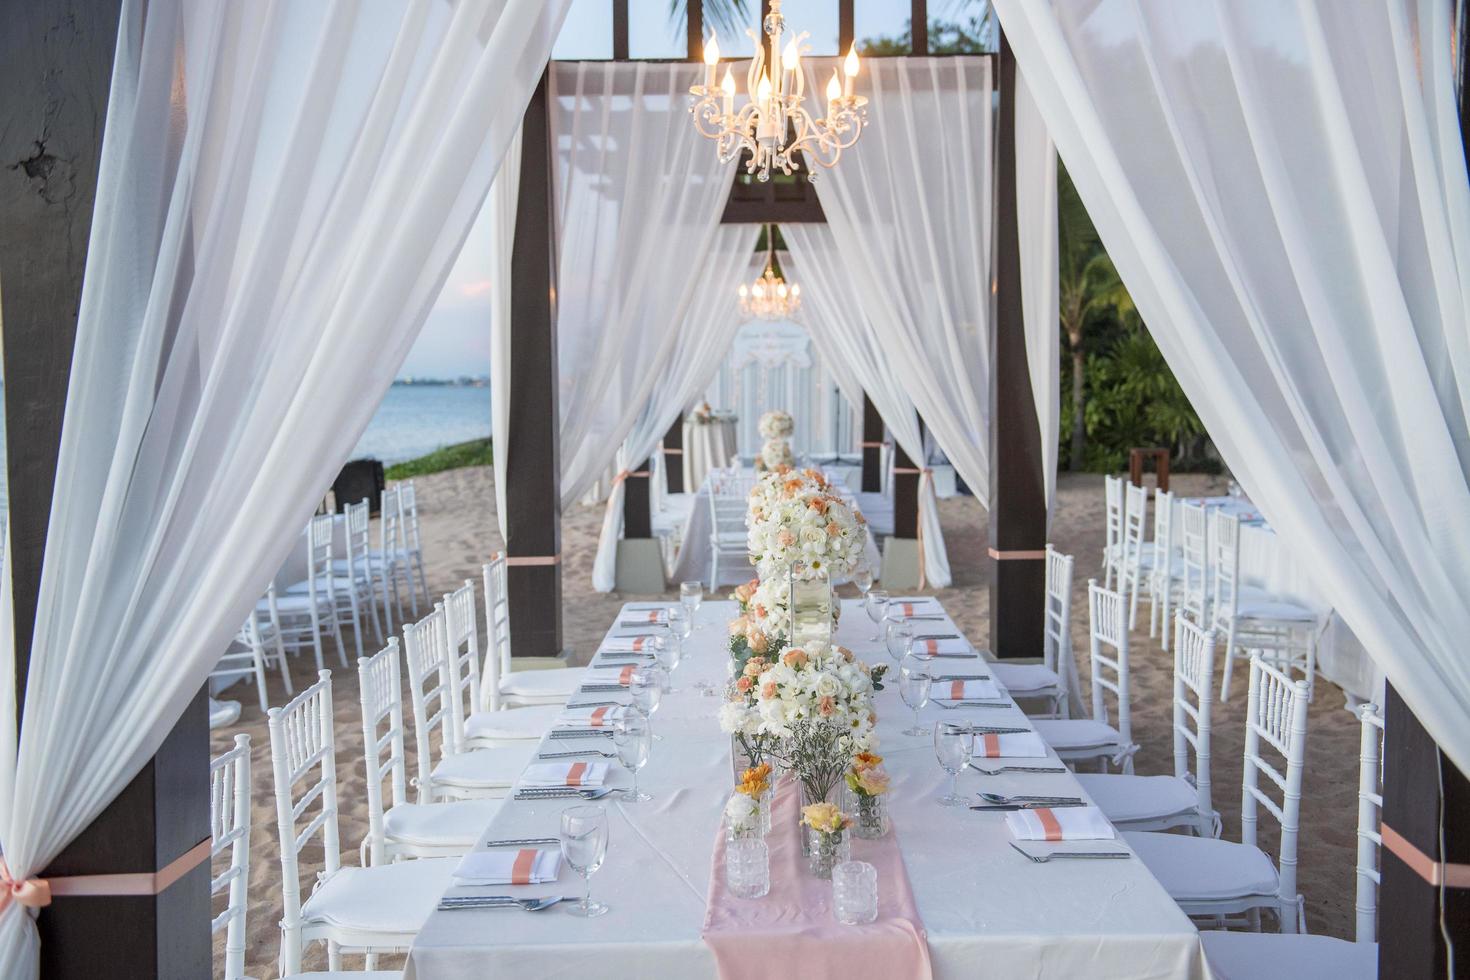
826, 850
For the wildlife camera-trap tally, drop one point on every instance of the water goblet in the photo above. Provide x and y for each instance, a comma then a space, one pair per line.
862, 577
668, 651
914, 681
583, 847
876, 604
633, 738
900, 638
953, 746
691, 594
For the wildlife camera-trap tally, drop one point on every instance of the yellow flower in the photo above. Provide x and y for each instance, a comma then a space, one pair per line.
866, 760
755, 780
825, 818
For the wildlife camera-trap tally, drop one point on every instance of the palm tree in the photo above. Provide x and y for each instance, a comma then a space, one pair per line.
1089, 286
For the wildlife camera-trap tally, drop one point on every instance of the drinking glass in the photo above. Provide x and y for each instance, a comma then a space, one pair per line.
900, 638
953, 747
691, 594
855, 892
668, 651
647, 688
862, 577
914, 681
747, 867
583, 847
633, 737
876, 603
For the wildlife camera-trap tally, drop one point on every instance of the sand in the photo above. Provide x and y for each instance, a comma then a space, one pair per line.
459, 531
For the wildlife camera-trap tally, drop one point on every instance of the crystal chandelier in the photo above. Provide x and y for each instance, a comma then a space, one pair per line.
774, 125
769, 298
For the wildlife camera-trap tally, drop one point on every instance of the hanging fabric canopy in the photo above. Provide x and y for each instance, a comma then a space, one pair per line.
1283, 190
283, 189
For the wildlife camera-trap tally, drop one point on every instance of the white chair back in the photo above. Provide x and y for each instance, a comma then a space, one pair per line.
302, 740
1276, 717
1194, 532
1194, 687
1225, 563
359, 539
390, 538
1108, 615
1057, 635
1135, 518
426, 650
462, 639
1370, 812
497, 631
229, 829
1113, 525
1162, 571
408, 509
319, 548
381, 694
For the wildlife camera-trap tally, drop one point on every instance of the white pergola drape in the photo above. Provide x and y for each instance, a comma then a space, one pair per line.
1283, 189
283, 189
503, 200
638, 203
832, 308
910, 207
702, 339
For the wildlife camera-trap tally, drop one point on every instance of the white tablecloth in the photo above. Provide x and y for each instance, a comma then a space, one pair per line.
987, 910
1341, 658
707, 445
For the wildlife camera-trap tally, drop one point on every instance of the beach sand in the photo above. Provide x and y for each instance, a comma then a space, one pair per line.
457, 511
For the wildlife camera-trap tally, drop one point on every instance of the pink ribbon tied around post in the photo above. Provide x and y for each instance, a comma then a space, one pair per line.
32, 893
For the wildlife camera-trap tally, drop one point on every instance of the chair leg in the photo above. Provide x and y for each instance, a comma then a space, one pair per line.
418, 565
356, 623
316, 638
337, 635
369, 596
1133, 591
281, 662
334, 956
258, 655
1168, 596
1229, 663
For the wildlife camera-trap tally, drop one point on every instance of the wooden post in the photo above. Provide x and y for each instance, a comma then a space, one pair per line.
694, 30
533, 468
919, 27
1017, 485
674, 456
637, 510
872, 447
55, 71
845, 27
620, 29
906, 491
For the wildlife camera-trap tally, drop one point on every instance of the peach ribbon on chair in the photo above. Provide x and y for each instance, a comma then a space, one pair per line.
32, 893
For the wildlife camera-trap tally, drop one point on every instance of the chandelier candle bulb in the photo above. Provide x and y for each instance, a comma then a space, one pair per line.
850, 69
711, 59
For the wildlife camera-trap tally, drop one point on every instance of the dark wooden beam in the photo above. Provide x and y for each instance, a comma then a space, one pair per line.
765, 210
906, 491
845, 26
620, 29
637, 507
674, 456
919, 27
1017, 488
55, 72
872, 447
694, 29
533, 469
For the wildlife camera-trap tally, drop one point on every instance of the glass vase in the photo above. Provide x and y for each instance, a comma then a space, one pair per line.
808, 797
810, 598
870, 815
826, 850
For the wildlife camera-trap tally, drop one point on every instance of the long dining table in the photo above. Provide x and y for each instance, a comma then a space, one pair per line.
986, 909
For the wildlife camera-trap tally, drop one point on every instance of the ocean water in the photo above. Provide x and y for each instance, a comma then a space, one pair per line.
415, 420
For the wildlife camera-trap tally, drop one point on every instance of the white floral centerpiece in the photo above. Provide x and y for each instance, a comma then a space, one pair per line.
774, 453
776, 424
776, 428
794, 516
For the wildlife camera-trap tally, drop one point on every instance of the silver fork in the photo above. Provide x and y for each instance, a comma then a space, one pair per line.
998, 771
568, 755
950, 706
1043, 858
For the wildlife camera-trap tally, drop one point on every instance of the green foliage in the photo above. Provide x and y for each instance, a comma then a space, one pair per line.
975, 36
476, 452
1135, 401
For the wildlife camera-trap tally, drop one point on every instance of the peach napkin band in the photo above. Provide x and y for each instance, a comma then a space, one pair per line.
956, 688
520, 872
575, 774
598, 716
1049, 823
625, 676
991, 741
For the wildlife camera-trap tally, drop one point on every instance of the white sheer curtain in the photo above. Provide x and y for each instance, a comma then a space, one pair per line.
832, 308
504, 197
1283, 189
910, 206
638, 199
283, 189
701, 340
1036, 221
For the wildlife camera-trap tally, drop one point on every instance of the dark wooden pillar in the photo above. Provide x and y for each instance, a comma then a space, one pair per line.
55, 70
637, 509
674, 456
620, 29
533, 469
872, 445
694, 30
845, 26
1425, 800
919, 27
1017, 486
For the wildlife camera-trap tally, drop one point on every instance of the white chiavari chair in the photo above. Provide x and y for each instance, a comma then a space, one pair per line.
390, 562
1183, 799
1285, 632
229, 830
729, 549
1080, 739
1113, 525
396, 827
505, 686
251, 653
1137, 554
1194, 535
438, 707
346, 591
359, 565
411, 545
1165, 568
351, 909
1264, 956
1049, 680
309, 606
1220, 878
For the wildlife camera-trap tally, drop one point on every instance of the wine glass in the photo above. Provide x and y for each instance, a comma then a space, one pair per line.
862, 577
647, 687
914, 681
583, 847
691, 594
633, 737
953, 747
668, 651
900, 638
876, 604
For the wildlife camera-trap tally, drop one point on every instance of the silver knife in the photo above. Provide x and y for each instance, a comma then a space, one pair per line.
521, 842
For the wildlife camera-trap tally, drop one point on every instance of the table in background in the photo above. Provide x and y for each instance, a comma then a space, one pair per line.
987, 910
707, 445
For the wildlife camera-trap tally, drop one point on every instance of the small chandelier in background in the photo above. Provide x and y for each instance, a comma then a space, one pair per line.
774, 125
769, 298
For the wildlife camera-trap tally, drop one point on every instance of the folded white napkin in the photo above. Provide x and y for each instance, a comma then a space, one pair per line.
564, 774
603, 716
651, 616
913, 607
528, 866
1060, 823
628, 644
936, 648
1016, 745
965, 690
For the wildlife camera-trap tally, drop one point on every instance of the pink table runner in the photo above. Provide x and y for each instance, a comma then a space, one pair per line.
792, 931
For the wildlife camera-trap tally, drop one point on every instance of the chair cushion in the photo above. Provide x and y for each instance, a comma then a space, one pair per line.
1020, 679
303, 587
391, 899
1124, 798
1204, 869
557, 682
287, 604
1076, 733
458, 823
494, 768
1263, 956
531, 722
349, 975
1271, 607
